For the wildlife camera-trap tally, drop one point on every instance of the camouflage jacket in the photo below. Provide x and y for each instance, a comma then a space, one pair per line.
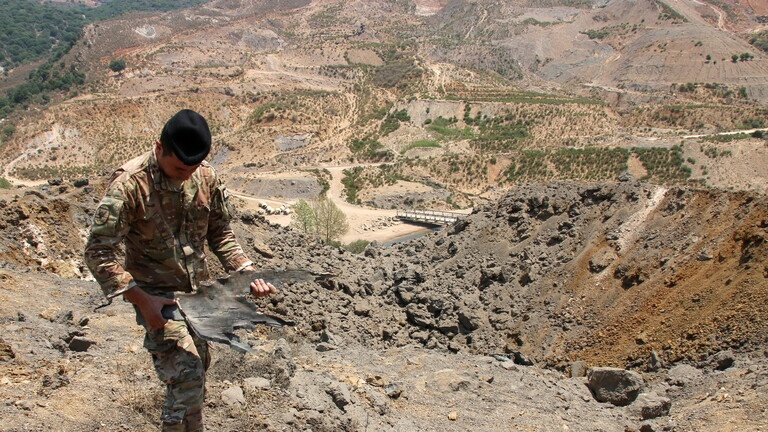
164, 230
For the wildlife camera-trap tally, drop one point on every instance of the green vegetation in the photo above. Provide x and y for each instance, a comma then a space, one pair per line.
726, 138
535, 22
498, 134
614, 30
330, 221
264, 112
369, 149
760, 41
8, 130
4, 183
35, 30
589, 163
353, 182
664, 165
753, 123
321, 218
46, 172
596, 34
303, 217
667, 13
323, 176
357, 246
713, 152
528, 165
51, 76
398, 71
357, 178
32, 30
117, 65
445, 131
523, 97
420, 143
326, 17
392, 121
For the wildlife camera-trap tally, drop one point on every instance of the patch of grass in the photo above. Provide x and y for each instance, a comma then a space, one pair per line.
357, 246
4, 183
420, 143
445, 131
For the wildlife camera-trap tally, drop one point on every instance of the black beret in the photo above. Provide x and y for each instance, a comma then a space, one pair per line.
188, 136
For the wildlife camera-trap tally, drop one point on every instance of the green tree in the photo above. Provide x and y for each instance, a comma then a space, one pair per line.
743, 91
331, 222
116, 65
303, 217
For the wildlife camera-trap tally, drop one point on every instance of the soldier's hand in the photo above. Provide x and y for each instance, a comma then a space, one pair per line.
261, 288
153, 311
151, 307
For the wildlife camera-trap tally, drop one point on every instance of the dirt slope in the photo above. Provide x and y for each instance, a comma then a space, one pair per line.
667, 282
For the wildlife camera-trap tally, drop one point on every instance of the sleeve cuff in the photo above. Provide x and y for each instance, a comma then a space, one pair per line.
244, 265
120, 291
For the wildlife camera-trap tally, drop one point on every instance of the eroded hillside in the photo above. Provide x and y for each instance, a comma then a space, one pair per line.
670, 283
485, 84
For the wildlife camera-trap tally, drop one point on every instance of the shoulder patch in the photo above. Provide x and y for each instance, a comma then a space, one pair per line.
102, 215
107, 216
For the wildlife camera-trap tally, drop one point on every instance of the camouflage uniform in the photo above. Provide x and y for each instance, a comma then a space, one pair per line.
164, 226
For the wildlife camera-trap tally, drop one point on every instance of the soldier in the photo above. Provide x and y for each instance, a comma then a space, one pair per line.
164, 206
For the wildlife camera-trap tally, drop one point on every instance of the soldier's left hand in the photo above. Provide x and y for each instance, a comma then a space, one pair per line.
261, 288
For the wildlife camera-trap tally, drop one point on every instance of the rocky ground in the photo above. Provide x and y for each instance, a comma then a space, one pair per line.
490, 324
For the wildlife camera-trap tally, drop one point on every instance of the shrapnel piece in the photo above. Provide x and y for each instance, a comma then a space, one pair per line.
221, 306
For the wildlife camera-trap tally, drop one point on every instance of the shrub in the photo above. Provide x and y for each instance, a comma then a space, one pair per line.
117, 65
357, 246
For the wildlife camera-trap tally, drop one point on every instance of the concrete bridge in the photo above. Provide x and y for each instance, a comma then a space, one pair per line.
430, 217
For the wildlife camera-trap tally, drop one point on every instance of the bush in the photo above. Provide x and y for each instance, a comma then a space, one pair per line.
357, 246
117, 65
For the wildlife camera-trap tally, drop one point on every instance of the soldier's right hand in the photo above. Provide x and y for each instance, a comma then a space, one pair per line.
150, 306
152, 311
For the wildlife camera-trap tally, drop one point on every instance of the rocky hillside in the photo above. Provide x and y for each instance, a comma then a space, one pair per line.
668, 283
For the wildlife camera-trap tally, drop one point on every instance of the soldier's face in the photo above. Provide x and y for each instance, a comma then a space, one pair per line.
171, 166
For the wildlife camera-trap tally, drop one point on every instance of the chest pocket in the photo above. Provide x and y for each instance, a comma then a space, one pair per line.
156, 236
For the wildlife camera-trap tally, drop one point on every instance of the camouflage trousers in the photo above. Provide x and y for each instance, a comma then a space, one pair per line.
180, 358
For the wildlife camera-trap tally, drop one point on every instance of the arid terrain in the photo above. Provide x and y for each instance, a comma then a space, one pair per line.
609, 157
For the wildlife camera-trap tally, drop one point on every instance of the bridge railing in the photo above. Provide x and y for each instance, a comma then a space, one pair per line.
430, 216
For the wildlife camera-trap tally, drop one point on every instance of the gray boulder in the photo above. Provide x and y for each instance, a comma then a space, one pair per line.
619, 387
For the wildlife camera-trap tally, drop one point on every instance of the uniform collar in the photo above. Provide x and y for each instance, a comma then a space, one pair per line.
161, 181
